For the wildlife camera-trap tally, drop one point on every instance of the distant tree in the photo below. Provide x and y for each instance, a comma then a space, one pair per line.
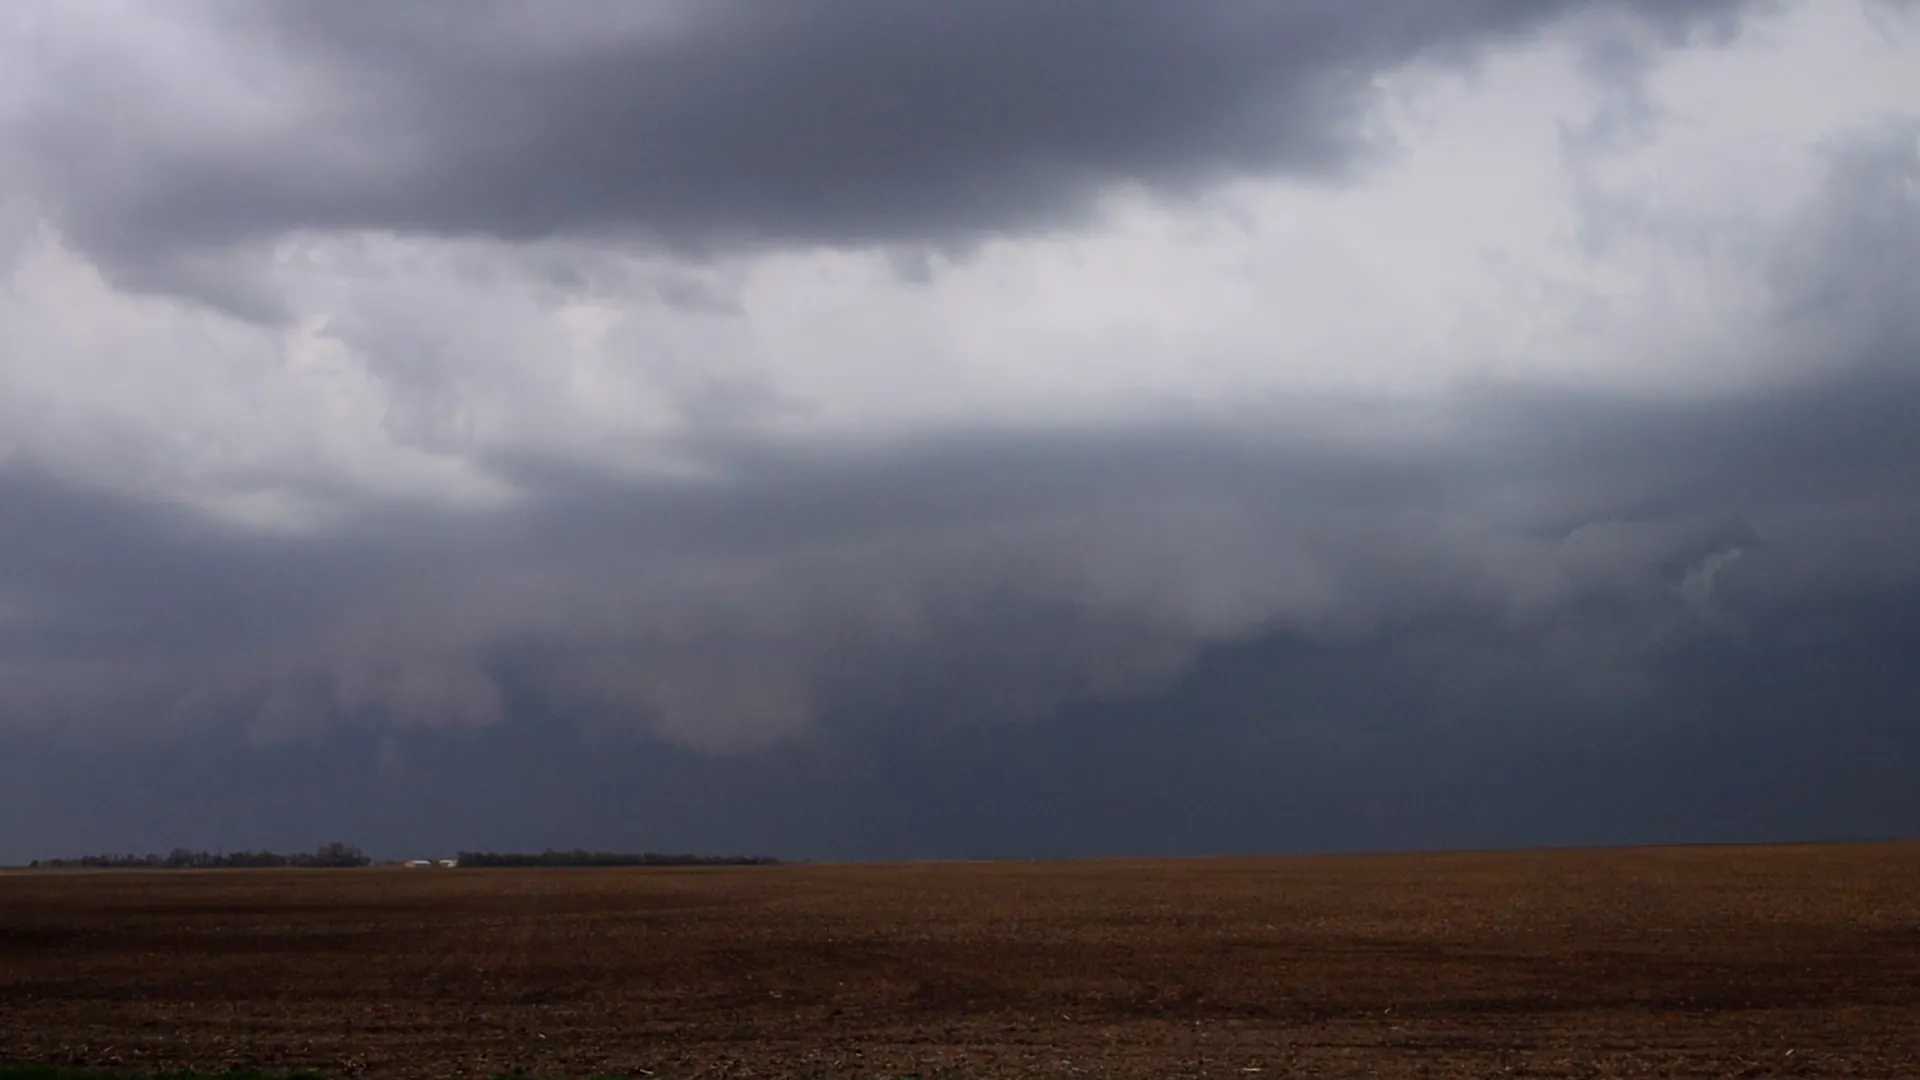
327, 855
337, 854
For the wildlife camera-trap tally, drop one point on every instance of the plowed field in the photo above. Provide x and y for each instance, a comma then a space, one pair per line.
1797, 961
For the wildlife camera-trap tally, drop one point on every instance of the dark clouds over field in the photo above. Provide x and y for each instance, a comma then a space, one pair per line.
958, 429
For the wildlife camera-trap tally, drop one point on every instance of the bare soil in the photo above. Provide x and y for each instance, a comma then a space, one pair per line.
1734, 962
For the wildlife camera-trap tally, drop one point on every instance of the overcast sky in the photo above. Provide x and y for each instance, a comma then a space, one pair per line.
851, 428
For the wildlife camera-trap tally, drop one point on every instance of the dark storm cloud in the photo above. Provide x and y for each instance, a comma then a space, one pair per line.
722, 123
1275, 744
1530, 617
1001, 577
1008, 572
1589, 622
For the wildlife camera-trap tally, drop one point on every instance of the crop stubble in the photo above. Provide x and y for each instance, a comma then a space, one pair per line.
1790, 961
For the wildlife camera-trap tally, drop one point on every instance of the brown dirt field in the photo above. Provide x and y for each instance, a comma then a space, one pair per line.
1791, 961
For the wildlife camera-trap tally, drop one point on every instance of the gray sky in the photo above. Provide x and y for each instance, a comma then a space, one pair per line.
850, 429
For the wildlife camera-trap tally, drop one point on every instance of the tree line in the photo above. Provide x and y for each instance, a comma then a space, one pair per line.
606, 858
338, 855
326, 856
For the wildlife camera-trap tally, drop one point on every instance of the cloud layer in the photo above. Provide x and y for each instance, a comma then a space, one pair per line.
787, 381
715, 125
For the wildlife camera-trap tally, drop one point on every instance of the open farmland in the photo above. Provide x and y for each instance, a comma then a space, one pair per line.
1793, 961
